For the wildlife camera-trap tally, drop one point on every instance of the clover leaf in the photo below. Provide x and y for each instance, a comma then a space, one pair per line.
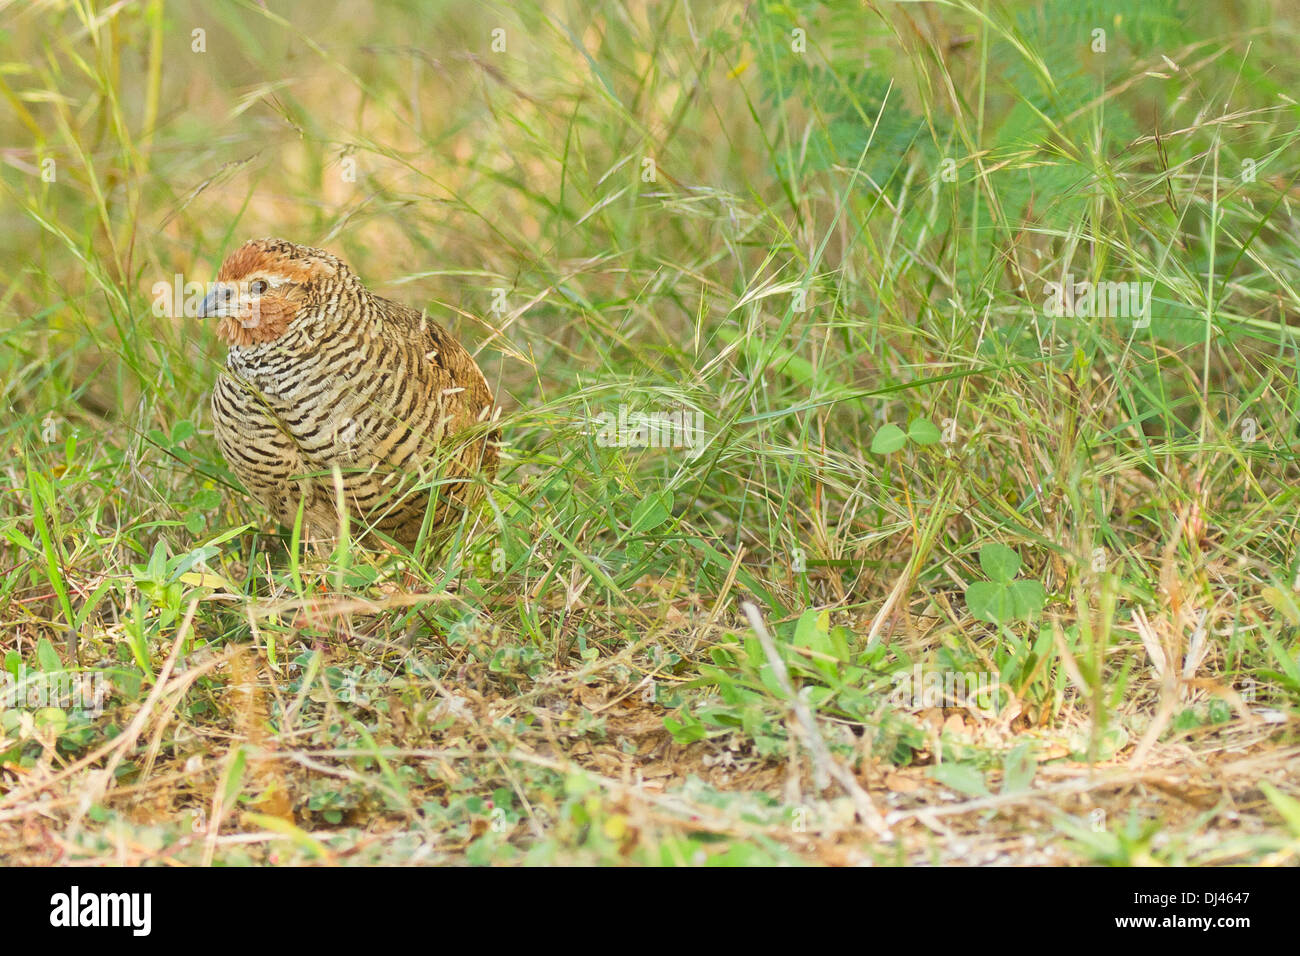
890, 438
1002, 599
924, 432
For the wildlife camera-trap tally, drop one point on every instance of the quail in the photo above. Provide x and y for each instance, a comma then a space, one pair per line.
334, 395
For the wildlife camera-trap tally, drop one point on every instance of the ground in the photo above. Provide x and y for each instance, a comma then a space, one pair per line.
900, 414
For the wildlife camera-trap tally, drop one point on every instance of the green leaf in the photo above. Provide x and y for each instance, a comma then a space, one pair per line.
989, 601
1288, 807
651, 512
208, 499
158, 563
962, 777
923, 431
1283, 603
999, 562
1027, 599
47, 657
812, 631
685, 733
1000, 603
299, 837
43, 496
234, 776
50, 719
888, 440
1018, 768
1291, 670
840, 639
183, 431
126, 682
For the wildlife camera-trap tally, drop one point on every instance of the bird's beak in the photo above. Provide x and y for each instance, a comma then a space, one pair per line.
214, 303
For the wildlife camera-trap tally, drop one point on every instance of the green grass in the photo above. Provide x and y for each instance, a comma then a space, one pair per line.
805, 222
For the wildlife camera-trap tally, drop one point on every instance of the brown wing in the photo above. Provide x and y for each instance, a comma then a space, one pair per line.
452, 382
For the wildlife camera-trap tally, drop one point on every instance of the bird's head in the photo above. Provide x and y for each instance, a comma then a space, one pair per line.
264, 283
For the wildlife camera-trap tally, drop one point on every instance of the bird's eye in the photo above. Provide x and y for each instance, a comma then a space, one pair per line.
257, 286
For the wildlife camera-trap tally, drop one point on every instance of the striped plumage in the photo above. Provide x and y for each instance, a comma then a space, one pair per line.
322, 375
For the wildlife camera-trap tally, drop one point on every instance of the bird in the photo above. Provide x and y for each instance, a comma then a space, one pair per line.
335, 399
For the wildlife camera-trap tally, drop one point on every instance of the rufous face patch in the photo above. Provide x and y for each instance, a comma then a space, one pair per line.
259, 289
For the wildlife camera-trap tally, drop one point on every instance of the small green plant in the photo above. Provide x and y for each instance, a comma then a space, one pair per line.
206, 502
48, 702
837, 679
1003, 599
890, 438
